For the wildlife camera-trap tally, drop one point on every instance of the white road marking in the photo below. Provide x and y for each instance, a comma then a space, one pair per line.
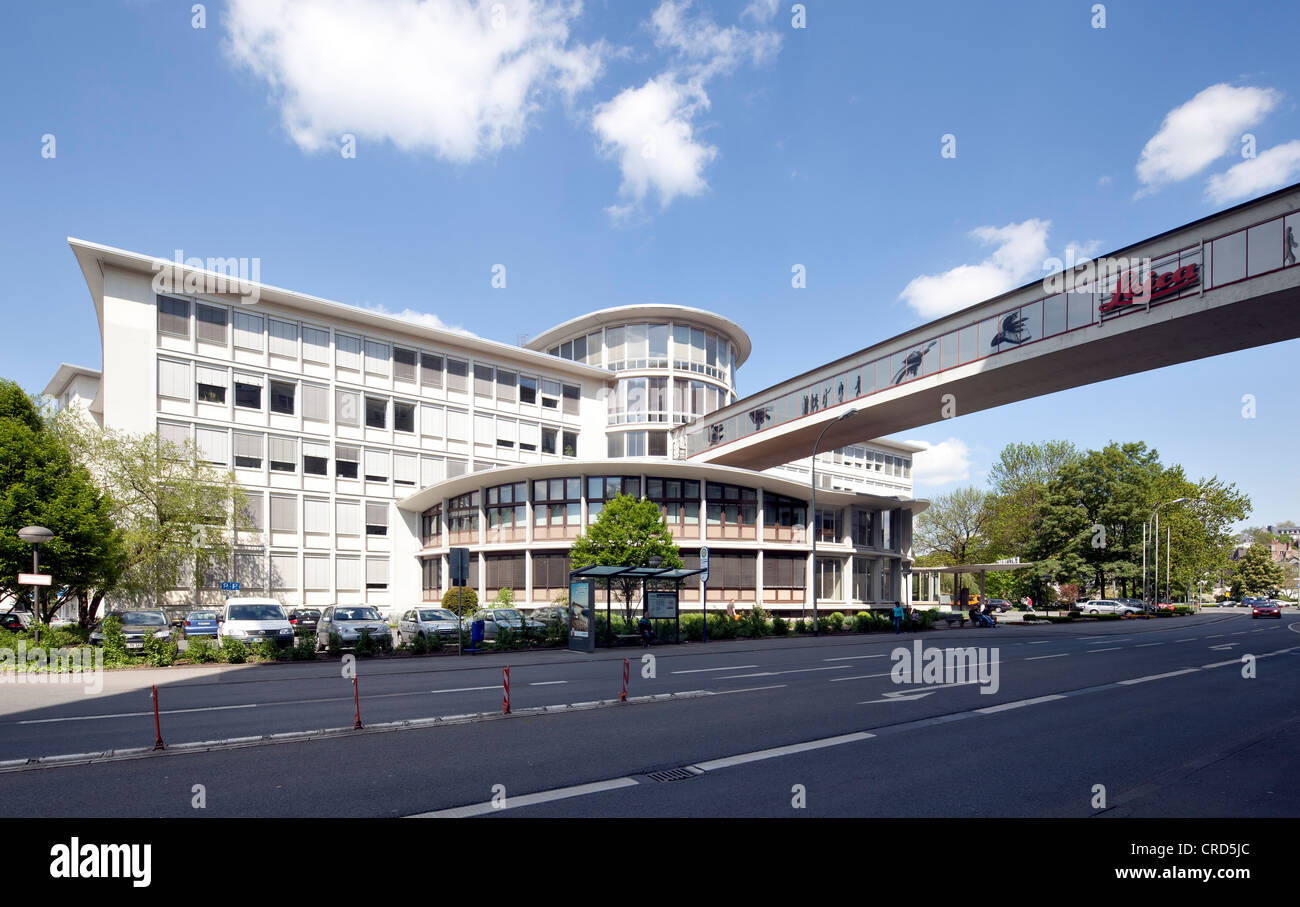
771, 686
546, 683
773, 753
1188, 639
1147, 645
791, 671
860, 677
1037, 657
1041, 642
855, 657
1158, 676
723, 668
1224, 646
211, 708
495, 686
1018, 704
1111, 649
560, 793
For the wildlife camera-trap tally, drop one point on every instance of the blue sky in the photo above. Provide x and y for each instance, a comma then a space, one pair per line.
518, 136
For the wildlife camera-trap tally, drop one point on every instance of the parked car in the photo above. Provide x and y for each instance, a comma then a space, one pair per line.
496, 618
549, 613
304, 620
252, 620
136, 625
12, 621
349, 621
426, 623
1108, 606
201, 623
1264, 608
1000, 605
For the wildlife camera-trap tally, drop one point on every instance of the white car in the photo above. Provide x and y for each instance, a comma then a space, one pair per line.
1108, 606
429, 623
251, 620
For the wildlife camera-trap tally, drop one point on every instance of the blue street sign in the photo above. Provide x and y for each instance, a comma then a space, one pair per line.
230, 587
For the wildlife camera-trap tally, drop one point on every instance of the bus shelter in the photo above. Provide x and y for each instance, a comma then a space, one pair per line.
658, 605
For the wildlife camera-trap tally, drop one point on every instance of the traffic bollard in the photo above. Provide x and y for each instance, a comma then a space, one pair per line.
157, 724
505, 702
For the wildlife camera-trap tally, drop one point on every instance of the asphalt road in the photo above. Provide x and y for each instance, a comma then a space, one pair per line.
1156, 712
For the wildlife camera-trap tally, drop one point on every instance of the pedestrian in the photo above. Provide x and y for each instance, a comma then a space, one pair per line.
731, 610
898, 618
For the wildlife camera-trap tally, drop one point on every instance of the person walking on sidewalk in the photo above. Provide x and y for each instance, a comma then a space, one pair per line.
898, 618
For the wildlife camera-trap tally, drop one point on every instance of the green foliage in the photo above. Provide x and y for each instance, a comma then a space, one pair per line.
1256, 574
43, 484
507, 639
780, 626
722, 627
460, 600
836, 621
265, 650
200, 650
862, 622
366, 645
505, 598
801, 626
823, 625
334, 644
1018, 487
160, 652
556, 633
954, 528
754, 624
115, 651
420, 645
233, 651
627, 533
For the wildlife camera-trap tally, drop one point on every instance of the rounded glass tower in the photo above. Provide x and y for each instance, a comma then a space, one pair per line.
674, 364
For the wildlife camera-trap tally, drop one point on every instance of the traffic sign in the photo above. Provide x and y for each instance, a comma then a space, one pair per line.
34, 579
458, 566
230, 587
704, 564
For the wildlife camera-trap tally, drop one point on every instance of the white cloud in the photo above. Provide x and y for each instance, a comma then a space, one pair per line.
761, 10
1021, 250
942, 463
1200, 132
422, 319
1275, 167
454, 77
650, 130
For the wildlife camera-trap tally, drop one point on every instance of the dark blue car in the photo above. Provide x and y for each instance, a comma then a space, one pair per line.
200, 623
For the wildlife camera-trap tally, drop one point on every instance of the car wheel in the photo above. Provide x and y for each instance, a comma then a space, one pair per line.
1092, 612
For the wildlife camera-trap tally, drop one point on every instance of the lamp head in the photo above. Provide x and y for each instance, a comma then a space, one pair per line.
35, 535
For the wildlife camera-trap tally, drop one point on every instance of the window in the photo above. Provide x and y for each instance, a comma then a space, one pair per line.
315, 403
248, 450
784, 571
315, 458
828, 579
659, 344
527, 389
347, 572
347, 352
406, 469
506, 386
173, 433
483, 380
376, 412
284, 455
403, 416
376, 574
254, 511
376, 466
457, 372
862, 526
431, 578
174, 317
679, 501
248, 331
376, 518
430, 370
403, 364
862, 579
657, 443
211, 323
315, 344
430, 527
457, 425
347, 517
731, 506
550, 394
432, 422
780, 512
571, 399
888, 526
462, 515
504, 571
557, 503
507, 509
376, 357
174, 379
248, 391
282, 396
346, 461
347, 408
507, 433
212, 384
212, 443
530, 435
550, 572
549, 440
284, 514
316, 572
316, 515
284, 338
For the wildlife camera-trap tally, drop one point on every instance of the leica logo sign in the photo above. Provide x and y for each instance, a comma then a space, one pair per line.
1155, 287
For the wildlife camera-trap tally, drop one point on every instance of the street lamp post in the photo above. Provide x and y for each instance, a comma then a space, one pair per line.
813, 515
36, 536
1155, 518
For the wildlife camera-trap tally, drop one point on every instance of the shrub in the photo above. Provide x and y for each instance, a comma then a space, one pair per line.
366, 646
115, 650
556, 633
824, 624
801, 626
836, 621
692, 627
722, 627
862, 622
754, 624
265, 650
452, 601
507, 639
304, 648
335, 646
159, 652
233, 651
780, 626
200, 650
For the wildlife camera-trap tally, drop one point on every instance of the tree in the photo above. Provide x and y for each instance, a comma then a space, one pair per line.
627, 533
1017, 490
460, 600
178, 517
1256, 573
953, 529
42, 485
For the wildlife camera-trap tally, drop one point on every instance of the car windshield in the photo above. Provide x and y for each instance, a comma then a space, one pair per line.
143, 618
435, 614
356, 614
505, 614
202, 615
255, 612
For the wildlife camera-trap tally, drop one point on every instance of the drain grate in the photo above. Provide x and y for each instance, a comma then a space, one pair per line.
675, 774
